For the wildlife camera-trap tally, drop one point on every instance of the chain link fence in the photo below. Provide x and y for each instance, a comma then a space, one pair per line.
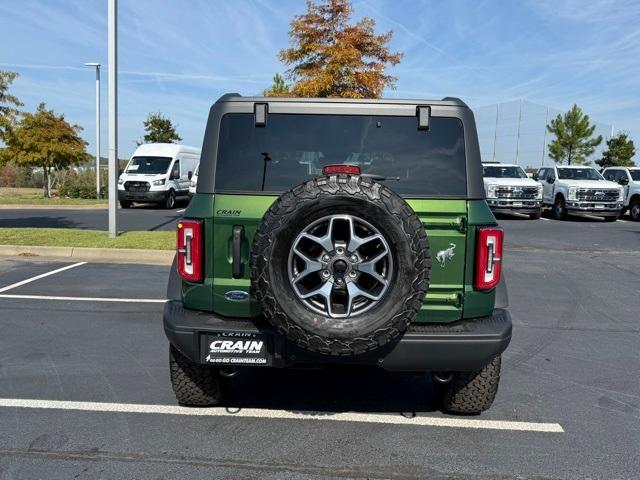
515, 132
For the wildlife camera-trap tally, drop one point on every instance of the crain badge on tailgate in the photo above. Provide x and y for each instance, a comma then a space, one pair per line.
236, 296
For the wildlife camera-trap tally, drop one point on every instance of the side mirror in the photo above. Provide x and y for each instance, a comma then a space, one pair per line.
535, 176
190, 174
551, 180
623, 181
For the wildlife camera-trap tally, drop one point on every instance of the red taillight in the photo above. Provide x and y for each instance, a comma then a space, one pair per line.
335, 169
190, 254
488, 257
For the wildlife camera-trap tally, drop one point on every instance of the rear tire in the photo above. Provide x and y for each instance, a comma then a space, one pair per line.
536, 215
559, 209
125, 204
470, 392
194, 384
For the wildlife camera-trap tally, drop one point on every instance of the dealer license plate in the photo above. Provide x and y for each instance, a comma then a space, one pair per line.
517, 204
599, 207
236, 348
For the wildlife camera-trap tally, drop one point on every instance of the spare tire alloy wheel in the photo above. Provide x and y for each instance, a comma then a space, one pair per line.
340, 265
340, 277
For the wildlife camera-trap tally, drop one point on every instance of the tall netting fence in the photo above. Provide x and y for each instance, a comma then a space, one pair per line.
515, 132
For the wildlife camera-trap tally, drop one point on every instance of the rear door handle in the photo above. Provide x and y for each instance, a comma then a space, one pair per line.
236, 251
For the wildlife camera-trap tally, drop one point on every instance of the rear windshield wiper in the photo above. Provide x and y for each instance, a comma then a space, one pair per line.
379, 178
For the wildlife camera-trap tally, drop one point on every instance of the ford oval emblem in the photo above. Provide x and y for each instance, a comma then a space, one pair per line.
236, 296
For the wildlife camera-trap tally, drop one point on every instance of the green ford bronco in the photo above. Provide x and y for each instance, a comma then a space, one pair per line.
338, 231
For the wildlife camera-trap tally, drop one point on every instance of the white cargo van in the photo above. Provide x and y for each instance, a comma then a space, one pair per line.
158, 173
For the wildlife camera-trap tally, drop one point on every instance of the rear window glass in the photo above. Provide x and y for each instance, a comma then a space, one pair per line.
295, 148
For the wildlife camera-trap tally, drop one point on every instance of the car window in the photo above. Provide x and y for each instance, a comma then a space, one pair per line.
294, 148
542, 174
635, 175
497, 171
176, 169
586, 173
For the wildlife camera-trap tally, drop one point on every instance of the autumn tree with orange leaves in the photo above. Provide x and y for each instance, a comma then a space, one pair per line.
330, 57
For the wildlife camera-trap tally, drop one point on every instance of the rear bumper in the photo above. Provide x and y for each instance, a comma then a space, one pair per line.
463, 345
143, 197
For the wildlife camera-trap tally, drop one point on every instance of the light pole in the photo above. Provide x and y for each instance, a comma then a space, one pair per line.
97, 67
113, 115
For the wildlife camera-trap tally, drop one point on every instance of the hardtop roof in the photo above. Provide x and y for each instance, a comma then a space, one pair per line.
447, 101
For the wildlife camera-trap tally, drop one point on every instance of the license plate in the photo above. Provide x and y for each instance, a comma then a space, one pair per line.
236, 348
517, 204
599, 207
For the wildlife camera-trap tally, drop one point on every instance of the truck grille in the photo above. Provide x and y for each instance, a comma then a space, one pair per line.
597, 195
525, 193
136, 186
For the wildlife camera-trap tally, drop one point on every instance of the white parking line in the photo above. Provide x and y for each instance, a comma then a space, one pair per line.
180, 211
397, 419
84, 299
623, 221
38, 277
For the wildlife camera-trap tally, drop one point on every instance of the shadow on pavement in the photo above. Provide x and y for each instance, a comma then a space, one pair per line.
38, 222
332, 390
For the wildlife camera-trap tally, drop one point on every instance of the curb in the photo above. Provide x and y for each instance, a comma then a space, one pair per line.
52, 207
111, 255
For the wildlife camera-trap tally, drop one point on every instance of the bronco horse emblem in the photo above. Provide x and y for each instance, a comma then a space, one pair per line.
443, 255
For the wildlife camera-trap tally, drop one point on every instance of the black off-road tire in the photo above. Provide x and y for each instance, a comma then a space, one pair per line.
194, 384
535, 215
559, 208
470, 392
366, 199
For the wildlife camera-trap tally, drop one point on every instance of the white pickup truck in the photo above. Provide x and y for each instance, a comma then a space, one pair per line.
629, 179
510, 190
579, 190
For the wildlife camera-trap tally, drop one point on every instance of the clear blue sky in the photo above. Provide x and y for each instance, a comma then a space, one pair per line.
177, 57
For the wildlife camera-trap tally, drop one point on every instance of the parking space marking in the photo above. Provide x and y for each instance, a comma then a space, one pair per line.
282, 414
84, 299
180, 211
38, 277
623, 221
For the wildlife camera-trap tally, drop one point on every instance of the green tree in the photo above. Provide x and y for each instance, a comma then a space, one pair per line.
159, 129
620, 150
574, 140
278, 88
8, 102
46, 140
331, 57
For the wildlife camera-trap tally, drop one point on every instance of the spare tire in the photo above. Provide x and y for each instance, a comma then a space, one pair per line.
340, 264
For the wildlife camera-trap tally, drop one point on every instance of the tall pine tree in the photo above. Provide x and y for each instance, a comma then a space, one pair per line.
620, 150
574, 140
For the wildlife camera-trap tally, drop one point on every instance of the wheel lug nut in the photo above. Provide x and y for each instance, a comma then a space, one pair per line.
326, 258
352, 274
326, 274
339, 281
353, 259
339, 250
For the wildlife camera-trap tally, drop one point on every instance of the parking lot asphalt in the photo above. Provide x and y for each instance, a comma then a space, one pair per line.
141, 217
573, 363
149, 217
